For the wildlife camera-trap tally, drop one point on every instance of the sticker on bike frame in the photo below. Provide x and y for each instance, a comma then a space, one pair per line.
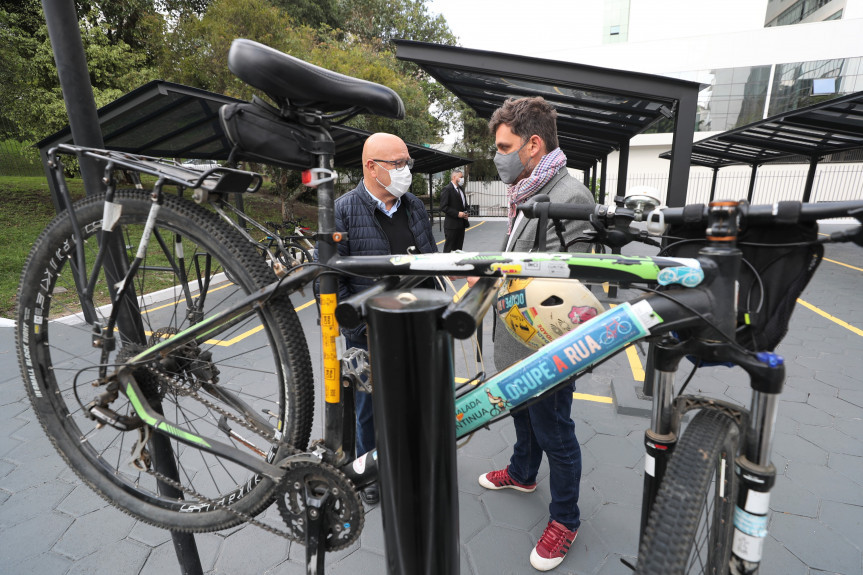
754, 525
747, 547
529, 264
329, 332
683, 275
561, 359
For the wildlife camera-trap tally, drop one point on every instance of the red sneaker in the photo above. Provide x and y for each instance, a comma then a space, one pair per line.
501, 479
552, 546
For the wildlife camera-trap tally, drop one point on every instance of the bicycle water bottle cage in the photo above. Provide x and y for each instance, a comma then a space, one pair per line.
295, 84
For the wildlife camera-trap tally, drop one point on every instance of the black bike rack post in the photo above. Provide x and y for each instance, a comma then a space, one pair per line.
411, 363
62, 21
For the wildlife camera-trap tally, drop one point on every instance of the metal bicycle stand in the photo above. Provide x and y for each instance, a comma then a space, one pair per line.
411, 362
62, 21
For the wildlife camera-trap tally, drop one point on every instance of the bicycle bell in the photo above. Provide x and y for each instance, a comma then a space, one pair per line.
642, 200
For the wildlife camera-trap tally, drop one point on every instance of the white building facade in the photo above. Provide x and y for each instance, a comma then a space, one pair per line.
757, 58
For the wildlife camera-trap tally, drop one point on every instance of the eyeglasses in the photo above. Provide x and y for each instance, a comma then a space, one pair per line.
399, 164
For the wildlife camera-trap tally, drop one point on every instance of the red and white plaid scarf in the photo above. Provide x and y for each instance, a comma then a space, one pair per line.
542, 174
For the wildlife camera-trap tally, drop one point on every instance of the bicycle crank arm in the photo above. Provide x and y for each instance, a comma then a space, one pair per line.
149, 416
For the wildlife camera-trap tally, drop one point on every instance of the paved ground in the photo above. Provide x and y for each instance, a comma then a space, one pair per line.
50, 523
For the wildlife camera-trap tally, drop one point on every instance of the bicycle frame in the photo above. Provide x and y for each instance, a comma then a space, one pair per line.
582, 348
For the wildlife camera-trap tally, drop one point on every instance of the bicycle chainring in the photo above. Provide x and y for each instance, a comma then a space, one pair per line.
343, 512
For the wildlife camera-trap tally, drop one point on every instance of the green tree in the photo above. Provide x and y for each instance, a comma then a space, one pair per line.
315, 13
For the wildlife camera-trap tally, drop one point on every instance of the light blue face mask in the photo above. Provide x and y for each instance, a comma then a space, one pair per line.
509, 166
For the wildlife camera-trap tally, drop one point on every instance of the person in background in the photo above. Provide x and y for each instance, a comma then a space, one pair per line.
380, 217
530, 162
453, 204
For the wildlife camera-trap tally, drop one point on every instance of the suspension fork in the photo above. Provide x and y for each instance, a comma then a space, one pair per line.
661, 438
755, 472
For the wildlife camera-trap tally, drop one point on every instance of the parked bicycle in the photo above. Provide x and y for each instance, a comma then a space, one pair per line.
297, 238
192, 343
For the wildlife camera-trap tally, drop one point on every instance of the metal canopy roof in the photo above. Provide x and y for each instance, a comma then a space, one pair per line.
170, 120
812, 132
599, 109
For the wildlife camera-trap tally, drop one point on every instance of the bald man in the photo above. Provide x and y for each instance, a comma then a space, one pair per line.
381, 217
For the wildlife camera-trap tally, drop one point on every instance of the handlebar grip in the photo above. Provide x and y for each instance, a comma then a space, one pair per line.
559, 211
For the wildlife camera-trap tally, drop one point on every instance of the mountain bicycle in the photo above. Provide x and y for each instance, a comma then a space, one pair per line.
193, 341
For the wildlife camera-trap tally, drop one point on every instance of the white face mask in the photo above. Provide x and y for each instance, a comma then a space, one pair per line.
461, 181
400, 181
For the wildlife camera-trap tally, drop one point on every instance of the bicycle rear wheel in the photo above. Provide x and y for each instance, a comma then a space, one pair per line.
256, 377
690, 526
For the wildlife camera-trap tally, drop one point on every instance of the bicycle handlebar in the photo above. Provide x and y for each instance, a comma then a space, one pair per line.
696, 214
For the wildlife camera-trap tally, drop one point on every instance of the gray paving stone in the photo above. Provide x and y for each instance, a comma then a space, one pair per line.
851, 427
616, 485
149, 535
613, 565
270, 551
39, 470
825, 483
121, 557
81, 501
37, 500
514, 509
617, 526
831, 439
795, 448
818, 546
805, 413
33, 537
472, 514
777, 560
808, 385
848, 378
834, 406
848, 465
163, 558
846, 520
469, 470
589, 500
854, 396
508, 549
92, 531
6, 467
788, 497
44, 564
360, 562
613, 450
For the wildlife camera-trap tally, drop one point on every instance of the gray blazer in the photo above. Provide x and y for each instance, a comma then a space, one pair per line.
563, 188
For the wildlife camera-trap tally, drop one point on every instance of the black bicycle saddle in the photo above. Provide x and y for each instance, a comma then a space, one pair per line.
296, 84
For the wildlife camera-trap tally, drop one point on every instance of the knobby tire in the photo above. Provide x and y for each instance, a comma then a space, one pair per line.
264, 361
691, 523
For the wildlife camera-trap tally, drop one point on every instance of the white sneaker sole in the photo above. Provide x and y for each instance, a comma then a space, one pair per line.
543, 564
489, 485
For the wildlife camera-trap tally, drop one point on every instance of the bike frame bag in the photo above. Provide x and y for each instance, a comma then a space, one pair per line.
259, 133
763, 308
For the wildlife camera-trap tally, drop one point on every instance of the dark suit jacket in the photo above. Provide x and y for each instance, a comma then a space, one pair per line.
451, 205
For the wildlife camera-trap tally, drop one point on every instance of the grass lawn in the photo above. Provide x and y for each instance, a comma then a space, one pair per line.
26, 208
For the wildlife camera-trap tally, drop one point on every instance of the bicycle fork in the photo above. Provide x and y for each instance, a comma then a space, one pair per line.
756, 475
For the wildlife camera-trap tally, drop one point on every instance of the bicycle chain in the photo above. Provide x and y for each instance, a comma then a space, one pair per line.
204, 499
280, 488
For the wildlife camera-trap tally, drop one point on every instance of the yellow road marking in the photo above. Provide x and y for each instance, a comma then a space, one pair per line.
466, 229
832, 318
635, 363
588, 397
841, 264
